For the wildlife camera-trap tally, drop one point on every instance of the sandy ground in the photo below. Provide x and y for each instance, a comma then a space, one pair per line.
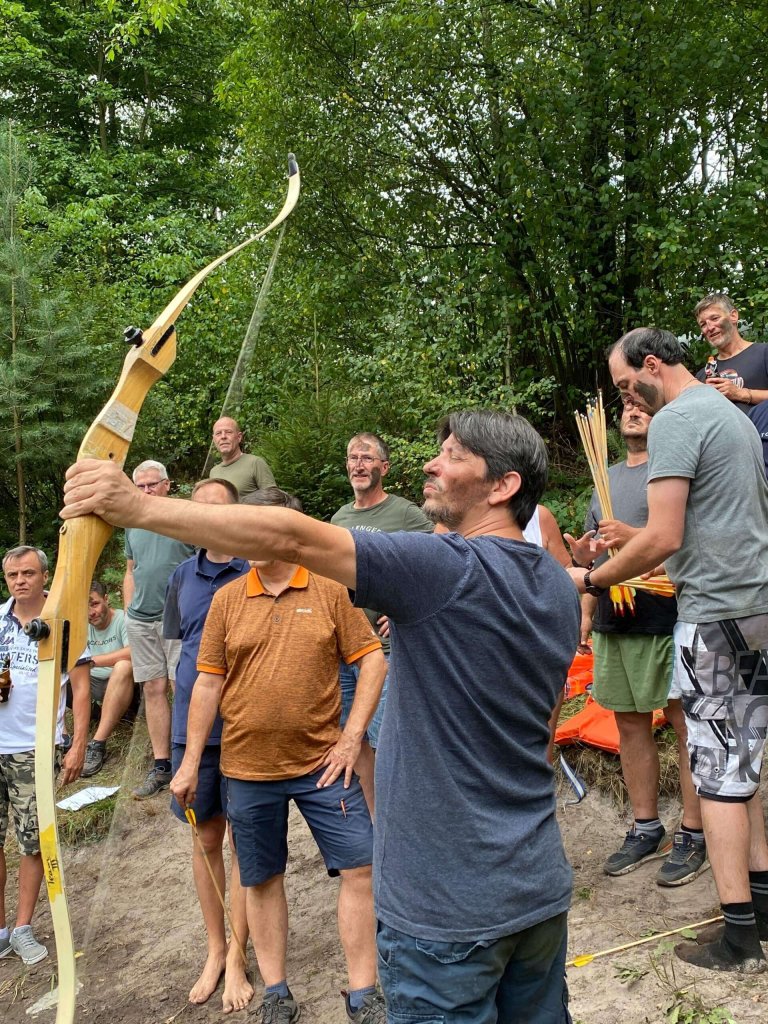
137, 922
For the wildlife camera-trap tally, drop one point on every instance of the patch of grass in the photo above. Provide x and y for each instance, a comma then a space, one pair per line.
585, 892
688, 1008
628, 974
127, 754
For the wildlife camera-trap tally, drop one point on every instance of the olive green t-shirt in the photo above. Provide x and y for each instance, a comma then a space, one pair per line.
389, 516
248, 473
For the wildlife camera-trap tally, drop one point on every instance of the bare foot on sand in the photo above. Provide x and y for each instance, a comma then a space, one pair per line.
206, 984
238, 991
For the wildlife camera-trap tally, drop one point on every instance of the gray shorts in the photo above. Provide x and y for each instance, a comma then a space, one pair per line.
152, 657
721, 671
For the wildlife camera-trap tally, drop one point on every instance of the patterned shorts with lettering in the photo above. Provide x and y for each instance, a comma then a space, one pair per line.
17, 790
721, 671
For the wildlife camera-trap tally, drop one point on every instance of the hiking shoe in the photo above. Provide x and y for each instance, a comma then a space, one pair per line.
686, 861
25, 945
5, 947
721, 956
275, 1010
373, 1010
95, 756
636, 849
66, 743
156, 780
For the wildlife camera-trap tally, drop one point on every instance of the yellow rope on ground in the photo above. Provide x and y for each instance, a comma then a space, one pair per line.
587, 958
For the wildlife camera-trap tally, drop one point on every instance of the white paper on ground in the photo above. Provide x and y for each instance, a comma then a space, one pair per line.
89, 795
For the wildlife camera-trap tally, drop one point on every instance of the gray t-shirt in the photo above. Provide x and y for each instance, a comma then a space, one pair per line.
154, 559
104, 641
466, 846
390, 515
751, 364
721, 569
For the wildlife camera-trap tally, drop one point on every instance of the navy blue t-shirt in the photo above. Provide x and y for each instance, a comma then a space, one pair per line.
187, 600
466, 845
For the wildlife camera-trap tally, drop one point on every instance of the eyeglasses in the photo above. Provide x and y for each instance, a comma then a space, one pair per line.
367, 460
151, 485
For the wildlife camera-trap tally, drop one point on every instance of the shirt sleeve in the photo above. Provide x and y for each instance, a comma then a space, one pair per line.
171, 614
415, 521
264, 476
674, 446
212, 654
354, 634
122, 632
591, 518
127, 546
408, 576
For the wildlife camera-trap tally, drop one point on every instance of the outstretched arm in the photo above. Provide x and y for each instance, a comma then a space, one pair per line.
253, 532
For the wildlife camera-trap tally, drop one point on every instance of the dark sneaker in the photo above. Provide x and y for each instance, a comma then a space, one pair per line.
686, 861
275, 1010
156, 780
66, 743
25, 945
722, 956
95, 756
636, 849
5, 947
373, 1010
716, 930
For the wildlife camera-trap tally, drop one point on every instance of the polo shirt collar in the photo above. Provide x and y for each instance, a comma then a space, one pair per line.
238, 564
254, 587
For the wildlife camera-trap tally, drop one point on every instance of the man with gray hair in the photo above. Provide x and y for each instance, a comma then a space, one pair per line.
376, 510
150, 559
739, 369
471, 882
26, 572
705, 472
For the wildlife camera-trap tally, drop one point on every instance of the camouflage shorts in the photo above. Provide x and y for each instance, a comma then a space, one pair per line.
17, 790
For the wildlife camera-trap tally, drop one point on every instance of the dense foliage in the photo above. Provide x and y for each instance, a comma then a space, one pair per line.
491, 193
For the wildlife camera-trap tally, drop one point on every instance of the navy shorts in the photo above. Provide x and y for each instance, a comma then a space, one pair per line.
338, 819
211, 797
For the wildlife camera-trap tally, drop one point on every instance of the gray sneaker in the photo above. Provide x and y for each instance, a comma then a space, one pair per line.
636, 849
156, 780
275, 1010
686, 861
95, 756
373, 1010
25, 945
5, 947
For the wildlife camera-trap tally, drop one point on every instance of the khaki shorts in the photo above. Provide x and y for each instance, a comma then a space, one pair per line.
152, 656
721, 670
17, 790
632, 671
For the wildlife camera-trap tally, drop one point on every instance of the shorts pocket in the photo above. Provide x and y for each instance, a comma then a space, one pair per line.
393, 1017
449, 952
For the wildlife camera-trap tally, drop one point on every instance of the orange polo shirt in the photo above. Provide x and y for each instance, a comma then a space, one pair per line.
281, 699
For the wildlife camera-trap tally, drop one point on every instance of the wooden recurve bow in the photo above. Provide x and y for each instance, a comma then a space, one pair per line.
62, 628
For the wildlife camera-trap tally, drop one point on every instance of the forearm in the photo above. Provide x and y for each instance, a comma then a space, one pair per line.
80, 682
373, 671
111, 659
753, 396
641, 554
202, 714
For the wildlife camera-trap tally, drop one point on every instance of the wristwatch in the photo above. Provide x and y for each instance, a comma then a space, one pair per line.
590, 587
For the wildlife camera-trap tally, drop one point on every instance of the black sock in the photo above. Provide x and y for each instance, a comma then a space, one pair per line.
741, 928
758, 887
696, 834
162, 764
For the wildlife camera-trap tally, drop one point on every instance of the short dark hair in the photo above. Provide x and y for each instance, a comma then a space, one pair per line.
375, 441
273, 496
635, 345
507, 443
714, 299
97, 587
229, 487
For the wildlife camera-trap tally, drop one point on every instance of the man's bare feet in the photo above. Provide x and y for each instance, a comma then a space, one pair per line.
206, 984
238, 991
